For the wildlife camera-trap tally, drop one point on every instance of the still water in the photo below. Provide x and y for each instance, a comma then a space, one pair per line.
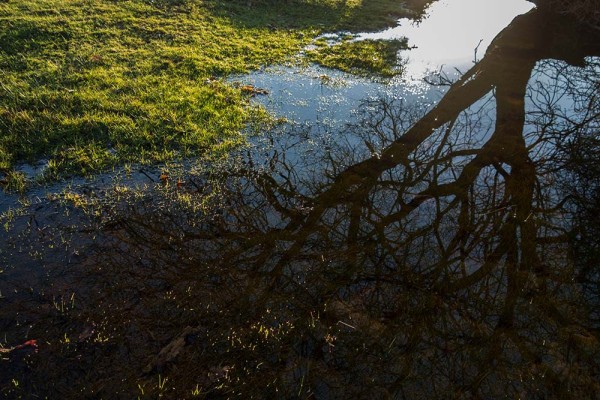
453, 33
391, 241
448, 40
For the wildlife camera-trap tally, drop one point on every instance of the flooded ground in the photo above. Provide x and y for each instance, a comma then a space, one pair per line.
444, 44
454, 34
390, 241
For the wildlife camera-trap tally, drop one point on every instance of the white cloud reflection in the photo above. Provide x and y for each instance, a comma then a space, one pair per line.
451, 32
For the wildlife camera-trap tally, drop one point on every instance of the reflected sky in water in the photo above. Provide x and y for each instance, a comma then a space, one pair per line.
451, 32
445, 252
314, 94
447, 37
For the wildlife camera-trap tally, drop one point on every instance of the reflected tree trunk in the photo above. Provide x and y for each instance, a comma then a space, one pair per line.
441, 265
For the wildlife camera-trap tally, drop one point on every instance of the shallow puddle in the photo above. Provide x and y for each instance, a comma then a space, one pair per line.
391, 242
450, 38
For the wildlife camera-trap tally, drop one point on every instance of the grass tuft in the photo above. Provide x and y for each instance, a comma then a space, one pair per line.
365, 57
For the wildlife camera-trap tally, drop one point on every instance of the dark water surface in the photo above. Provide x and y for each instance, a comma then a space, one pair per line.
444, 250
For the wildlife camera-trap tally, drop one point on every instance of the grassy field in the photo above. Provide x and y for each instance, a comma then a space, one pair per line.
88, 84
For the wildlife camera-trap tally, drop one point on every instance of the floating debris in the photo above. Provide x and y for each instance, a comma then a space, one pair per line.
253, 90
27, 347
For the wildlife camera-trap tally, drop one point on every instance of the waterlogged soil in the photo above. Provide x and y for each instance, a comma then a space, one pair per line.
384, 242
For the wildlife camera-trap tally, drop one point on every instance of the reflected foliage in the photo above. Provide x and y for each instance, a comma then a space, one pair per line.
442, 253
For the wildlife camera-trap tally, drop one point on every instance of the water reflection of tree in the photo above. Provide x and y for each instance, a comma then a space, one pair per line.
439, 266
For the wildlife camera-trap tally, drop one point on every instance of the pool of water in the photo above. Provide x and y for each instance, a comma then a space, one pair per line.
453, 34
393, 240
446, 43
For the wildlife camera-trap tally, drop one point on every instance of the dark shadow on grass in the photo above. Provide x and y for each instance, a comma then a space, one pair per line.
327, 16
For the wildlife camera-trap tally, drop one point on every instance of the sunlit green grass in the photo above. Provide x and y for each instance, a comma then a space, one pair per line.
365, 57
87, 84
